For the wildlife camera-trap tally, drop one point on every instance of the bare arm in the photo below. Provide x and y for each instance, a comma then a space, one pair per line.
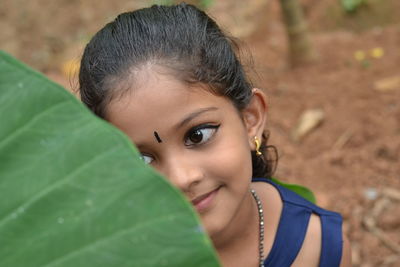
309, 254
346, 255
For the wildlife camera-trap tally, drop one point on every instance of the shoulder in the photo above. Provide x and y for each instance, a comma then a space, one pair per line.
310, 252
346, 255
332, 249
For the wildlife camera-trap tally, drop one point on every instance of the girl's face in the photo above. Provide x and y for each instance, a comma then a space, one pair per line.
198, 140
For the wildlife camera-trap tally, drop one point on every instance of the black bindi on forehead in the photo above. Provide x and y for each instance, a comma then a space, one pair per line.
157, 137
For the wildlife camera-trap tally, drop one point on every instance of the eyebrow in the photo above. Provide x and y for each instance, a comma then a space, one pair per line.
193, 115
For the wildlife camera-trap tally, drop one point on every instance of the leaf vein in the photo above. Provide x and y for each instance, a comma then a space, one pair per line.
104, 239
51, 187
35, 118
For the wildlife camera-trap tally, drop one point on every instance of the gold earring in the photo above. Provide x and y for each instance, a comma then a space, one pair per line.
258, 145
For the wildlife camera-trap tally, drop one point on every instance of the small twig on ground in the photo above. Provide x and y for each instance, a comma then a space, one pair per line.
369, 220
380, 205
390, 260
343, 139
391, 193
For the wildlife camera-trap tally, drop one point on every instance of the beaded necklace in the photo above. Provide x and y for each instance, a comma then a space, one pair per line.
261, 233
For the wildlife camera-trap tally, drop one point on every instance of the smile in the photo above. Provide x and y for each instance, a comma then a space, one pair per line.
203, 202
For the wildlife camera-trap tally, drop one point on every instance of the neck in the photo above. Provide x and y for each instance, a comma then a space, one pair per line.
240, 239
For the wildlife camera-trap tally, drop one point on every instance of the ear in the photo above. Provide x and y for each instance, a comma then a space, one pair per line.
254, 116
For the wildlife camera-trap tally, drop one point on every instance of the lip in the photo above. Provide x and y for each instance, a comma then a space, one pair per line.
203, 202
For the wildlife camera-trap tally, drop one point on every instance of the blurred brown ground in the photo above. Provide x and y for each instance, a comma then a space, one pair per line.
348, 161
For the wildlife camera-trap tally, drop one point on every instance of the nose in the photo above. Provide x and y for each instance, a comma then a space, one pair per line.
183, 172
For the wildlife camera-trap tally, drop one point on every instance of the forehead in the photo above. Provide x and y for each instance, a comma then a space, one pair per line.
158, 101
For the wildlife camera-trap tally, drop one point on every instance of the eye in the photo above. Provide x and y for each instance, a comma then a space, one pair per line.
146, 158
200, 134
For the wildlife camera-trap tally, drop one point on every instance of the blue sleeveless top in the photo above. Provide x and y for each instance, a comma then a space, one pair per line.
292, 229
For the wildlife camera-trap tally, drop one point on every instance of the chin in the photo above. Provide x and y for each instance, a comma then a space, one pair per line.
214, 225
211, 225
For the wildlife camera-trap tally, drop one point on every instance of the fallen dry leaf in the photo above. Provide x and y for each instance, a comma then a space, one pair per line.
387, 84
309, 120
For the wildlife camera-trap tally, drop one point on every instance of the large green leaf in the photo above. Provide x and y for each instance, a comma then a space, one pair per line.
73, 191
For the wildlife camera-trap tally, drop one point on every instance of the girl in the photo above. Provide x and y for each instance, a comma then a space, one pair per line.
170, 79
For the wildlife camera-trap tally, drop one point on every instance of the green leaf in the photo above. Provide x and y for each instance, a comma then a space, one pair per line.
205, 4
74, 191
298, 189
163, 2
351, 5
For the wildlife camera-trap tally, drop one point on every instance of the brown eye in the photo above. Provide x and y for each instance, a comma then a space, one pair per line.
196, 136
200, 135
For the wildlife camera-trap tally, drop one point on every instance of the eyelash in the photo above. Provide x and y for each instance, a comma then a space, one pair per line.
213, 128
201, 128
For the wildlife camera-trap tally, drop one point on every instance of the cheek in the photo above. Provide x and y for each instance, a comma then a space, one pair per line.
230, 161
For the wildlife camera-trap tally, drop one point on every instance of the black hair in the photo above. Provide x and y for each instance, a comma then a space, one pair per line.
180, 38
